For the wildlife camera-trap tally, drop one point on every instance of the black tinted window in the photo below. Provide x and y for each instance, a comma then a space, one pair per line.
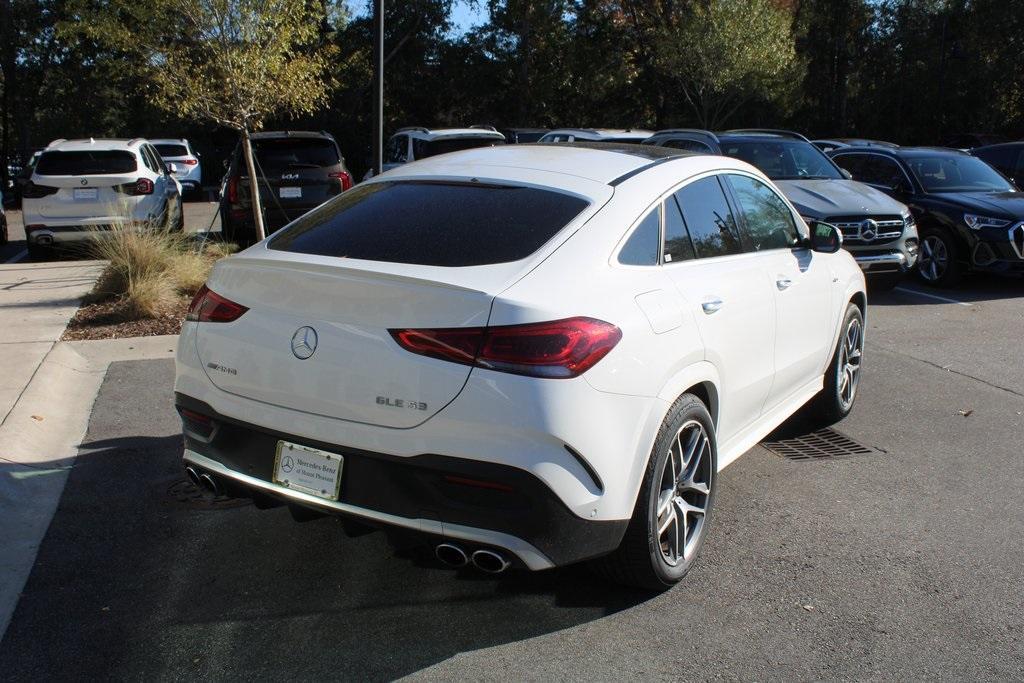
434, 224
687, 145
397, 150
767, 221
882, 171
421, 149
172, 150
641, 248
98, 162
854, 163
296, 153
709, 218
678, 246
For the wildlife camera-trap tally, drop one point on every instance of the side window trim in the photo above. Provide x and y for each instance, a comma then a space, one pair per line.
739, 219
682, 217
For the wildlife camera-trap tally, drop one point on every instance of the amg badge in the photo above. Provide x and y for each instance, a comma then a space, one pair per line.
401, 403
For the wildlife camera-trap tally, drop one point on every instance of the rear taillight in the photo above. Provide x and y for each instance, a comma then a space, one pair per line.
233, 189
344, 178
557, 349
209, 307
33, 191
140, 187
190, 162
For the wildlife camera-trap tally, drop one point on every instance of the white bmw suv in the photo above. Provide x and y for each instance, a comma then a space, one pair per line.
526, 356
81, 186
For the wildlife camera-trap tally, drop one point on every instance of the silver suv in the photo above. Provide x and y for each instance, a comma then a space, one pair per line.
878, 230
415, 142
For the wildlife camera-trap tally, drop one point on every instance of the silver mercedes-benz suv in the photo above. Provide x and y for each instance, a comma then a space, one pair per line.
878, 230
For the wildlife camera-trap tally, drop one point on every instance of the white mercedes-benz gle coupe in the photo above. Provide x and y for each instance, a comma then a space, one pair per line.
522, 356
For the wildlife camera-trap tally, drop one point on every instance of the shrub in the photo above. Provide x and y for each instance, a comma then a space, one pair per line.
151, 270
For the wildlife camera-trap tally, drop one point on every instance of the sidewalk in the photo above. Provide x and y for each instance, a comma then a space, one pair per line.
47, 389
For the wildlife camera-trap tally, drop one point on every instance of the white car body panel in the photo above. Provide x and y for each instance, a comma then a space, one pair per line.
759, 358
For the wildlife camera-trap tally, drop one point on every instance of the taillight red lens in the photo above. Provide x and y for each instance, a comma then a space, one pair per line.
557, 349
143, 186
345, 178
233, 189
190, 162
209, 307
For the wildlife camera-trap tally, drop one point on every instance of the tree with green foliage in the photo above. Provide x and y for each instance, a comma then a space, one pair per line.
717, 55
234, 63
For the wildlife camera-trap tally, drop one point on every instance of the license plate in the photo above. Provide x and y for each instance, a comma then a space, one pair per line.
86, 193
291, 193
309, 470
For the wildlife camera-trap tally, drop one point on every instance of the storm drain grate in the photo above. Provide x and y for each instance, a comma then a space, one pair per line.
185, 493
823, 444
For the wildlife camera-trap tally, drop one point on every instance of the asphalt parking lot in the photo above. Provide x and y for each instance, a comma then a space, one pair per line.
901, 564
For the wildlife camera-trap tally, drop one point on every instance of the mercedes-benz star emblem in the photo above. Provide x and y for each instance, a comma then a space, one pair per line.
287, 465
304, 342
85, 181
868, 229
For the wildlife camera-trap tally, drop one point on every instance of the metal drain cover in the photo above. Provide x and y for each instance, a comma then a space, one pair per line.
185, 493
823, 444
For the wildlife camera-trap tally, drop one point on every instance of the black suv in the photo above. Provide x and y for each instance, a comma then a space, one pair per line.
969, 216
297, 171
1007, 158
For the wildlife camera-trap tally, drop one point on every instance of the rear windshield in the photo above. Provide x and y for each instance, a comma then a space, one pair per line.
91, 162
278, 153
431, 148
432, 224
172, 150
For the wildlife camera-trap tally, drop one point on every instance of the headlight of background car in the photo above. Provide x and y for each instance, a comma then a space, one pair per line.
978, 222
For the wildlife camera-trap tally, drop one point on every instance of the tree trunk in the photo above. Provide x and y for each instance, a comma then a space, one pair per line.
254, 187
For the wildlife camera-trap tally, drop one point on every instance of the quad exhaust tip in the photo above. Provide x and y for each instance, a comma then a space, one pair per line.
490, 562
208, 483
451, 555
193, 476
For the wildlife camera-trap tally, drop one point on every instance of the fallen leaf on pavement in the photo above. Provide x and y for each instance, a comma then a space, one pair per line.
37, 418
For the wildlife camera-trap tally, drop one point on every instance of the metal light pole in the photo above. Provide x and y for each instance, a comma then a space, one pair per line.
378, 97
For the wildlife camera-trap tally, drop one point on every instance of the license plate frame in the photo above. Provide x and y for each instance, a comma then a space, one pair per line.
308, 470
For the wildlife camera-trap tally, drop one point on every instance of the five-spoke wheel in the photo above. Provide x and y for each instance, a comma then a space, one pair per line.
685, 491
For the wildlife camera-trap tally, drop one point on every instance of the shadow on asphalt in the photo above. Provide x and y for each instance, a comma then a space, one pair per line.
131, 584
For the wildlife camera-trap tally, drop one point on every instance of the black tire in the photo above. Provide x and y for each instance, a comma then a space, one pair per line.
830, 405
938, 260
640, 559
884, 283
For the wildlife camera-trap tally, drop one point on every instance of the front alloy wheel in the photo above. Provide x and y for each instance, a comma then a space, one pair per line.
850, 352
937, 261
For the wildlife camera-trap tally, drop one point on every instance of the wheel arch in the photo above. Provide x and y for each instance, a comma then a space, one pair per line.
700, 379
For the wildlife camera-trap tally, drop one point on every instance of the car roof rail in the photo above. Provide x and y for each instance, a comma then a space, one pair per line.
57, 141
413, 129
484, 127
769, 131
707, 134
130, 142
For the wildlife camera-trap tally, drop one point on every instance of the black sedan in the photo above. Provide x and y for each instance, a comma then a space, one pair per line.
969, 216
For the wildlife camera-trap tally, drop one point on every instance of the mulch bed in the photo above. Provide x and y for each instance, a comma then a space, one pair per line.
106, 320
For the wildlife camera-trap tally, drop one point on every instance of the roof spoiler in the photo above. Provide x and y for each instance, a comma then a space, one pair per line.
413, 129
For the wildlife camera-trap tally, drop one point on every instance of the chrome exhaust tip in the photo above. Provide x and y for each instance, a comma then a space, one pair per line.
193, 476
451, 555
209, 483
490, 562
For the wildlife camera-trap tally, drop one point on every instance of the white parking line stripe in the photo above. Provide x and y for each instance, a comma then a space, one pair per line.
17, 257
932, 296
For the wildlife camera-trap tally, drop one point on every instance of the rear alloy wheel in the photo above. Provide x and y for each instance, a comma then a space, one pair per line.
843, 377
937, 263
670, 518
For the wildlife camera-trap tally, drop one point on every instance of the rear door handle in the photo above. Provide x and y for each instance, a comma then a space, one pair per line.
783, 283
711, 306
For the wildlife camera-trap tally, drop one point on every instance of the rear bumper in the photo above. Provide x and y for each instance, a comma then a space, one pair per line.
480, 504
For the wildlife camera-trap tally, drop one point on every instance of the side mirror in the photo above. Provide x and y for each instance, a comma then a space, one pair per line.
846, 174
172, 168
825, 237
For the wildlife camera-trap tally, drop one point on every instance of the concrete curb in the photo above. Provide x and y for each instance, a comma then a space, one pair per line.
40, 440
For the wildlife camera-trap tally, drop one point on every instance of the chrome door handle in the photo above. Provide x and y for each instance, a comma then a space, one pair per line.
711, 306
783, 283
